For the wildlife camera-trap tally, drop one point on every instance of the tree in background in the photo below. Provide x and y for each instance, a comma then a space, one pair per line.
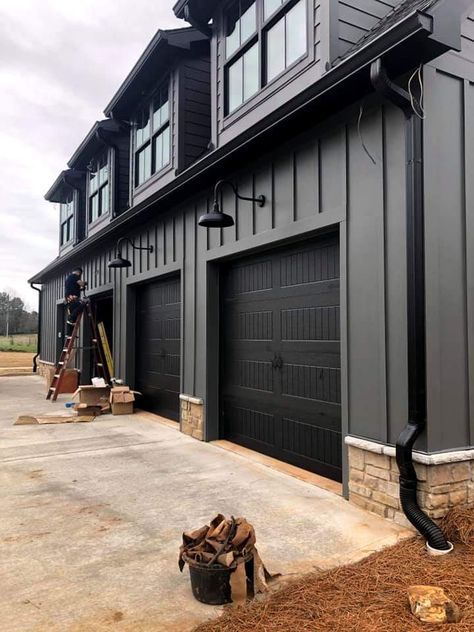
14, 317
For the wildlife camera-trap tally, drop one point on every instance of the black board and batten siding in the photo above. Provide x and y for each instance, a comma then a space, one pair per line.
449, 199
195, 95
323, 180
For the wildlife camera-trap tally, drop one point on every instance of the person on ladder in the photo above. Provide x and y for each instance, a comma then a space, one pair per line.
73, 287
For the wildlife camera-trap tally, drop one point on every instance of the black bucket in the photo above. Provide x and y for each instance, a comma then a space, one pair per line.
211, 584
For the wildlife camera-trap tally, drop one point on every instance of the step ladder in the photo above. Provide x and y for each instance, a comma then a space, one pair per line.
68, 351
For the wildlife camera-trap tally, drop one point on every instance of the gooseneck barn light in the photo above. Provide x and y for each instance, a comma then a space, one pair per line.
216, 218
119, 261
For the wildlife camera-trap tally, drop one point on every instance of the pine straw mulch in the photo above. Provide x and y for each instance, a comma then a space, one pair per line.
369, 596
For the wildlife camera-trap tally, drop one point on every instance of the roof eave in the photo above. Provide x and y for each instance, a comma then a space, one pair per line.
176, 39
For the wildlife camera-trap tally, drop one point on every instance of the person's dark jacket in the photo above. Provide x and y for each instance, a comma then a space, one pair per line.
72, 286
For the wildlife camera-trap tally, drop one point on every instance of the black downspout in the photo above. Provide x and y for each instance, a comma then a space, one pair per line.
38, 344
416, 310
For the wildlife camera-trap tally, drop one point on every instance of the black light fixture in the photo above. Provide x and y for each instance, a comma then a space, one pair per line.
216, 218
119, 261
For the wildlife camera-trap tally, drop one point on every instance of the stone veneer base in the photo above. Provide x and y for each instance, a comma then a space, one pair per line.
192, 416
446, 480
43, 367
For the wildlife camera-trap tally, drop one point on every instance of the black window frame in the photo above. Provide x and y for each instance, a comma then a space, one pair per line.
152, 139
260, 39
96, 193
67, 224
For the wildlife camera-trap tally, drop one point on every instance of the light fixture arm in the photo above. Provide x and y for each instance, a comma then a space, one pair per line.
260, 200
128, 240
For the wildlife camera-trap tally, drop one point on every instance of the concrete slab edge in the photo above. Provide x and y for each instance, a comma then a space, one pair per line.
438, 458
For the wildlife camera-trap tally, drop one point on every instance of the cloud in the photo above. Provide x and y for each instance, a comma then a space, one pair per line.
60, 63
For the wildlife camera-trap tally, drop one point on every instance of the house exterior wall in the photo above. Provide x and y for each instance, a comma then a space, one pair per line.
346, 175
319, 181
449, 198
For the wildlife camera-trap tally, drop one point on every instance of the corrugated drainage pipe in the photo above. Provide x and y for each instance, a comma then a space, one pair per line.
38, 344
416, 327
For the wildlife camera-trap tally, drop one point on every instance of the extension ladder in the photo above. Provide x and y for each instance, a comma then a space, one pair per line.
99, 356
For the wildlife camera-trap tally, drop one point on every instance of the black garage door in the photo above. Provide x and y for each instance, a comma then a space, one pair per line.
158, 346
281, 384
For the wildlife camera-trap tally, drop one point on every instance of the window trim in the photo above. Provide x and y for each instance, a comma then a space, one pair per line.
154, 134
259, 38
69, 221
100, 187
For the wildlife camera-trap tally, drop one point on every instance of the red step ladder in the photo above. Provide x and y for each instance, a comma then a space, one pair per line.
68, 352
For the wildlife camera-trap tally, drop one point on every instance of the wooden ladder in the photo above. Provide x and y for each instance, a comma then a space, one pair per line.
67, 353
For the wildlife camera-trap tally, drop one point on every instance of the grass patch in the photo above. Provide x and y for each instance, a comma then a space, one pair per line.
22, 343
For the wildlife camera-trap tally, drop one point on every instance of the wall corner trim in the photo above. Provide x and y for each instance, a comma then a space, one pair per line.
454, 456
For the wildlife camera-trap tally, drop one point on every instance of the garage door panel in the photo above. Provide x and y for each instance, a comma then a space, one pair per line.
311, 383
158, 346
281, 386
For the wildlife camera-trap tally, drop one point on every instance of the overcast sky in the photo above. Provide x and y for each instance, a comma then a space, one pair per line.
60, 62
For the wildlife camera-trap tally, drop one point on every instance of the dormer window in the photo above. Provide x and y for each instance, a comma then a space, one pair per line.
99, 190
66, 212
263, 39
153, 137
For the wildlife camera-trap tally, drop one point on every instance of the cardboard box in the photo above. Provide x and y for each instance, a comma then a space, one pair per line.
69, 383
88, 409
121, 400
93, 396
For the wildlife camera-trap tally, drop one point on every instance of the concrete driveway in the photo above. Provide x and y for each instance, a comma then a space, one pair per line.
92, 516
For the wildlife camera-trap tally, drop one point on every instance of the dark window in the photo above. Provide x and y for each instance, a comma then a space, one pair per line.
66, 214
153, 137
99, 187
263, 39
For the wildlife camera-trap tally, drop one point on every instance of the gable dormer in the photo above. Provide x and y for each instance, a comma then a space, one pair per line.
67, 193
167, 100
103, 157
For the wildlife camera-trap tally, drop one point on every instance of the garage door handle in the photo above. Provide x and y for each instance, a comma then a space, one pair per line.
277, 361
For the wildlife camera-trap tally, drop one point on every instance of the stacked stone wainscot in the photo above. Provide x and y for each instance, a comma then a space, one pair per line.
192, 416
446, 480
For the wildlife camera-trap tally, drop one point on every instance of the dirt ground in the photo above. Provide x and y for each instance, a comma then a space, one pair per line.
370, 596
14, 362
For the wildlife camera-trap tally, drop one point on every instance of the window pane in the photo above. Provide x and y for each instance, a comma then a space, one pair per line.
143, 127
69, 229
166, 146
276, 50
94, 208
232, 41
235, 78
251, 83
104, 200
296, 37
144, 164
248, 21
158, 152
103, 175
271, 6
93, 180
